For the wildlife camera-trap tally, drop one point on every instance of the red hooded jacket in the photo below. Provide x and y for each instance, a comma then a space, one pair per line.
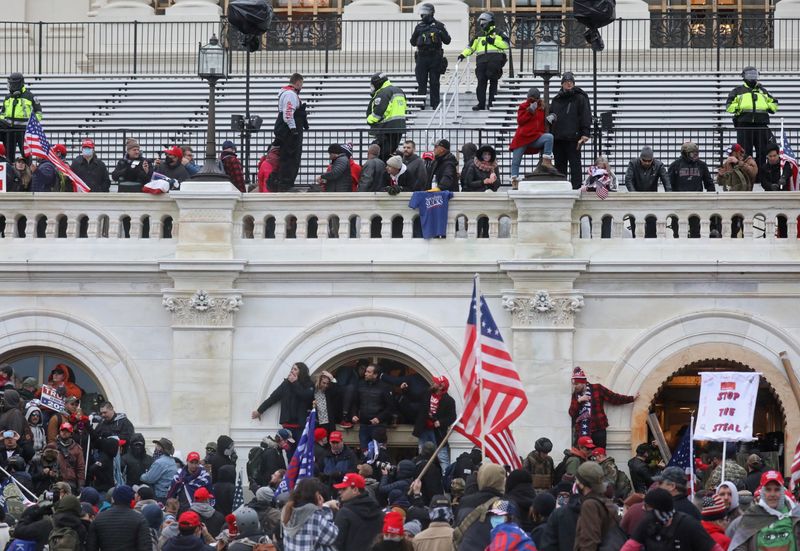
529, 127
71, 388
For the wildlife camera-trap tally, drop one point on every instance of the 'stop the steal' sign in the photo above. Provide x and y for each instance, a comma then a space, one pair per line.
727, 405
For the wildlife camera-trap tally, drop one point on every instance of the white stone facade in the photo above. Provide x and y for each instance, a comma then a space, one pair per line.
188, 334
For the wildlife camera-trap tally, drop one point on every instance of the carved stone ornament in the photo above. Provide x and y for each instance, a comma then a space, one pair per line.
542, 310
202, 309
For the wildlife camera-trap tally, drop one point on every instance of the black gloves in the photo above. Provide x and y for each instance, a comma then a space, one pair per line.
392, 190
461, 57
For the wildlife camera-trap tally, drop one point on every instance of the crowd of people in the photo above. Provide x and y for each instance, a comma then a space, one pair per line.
554, 133
82, 481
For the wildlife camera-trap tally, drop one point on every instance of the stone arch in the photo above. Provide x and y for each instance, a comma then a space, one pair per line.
425, 344
682, 340
94, 348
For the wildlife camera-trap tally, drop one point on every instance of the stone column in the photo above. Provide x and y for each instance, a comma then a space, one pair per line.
203, 304
544, 219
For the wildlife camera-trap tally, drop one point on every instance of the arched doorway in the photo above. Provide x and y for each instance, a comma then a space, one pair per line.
396, 367
38, 362
679, 395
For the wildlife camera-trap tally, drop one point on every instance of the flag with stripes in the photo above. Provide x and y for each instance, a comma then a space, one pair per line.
238, 493
37, 145
794, 472
681, 456
493, 391
302, 463
788, 156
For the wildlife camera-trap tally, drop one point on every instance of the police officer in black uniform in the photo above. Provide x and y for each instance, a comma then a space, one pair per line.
429, 35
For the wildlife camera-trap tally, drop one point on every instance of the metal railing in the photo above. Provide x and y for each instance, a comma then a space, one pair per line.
451, 99
690, 42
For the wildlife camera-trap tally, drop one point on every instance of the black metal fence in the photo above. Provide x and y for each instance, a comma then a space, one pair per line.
620, 146
328, 43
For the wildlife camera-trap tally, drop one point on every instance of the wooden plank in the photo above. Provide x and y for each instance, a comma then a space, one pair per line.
655, 428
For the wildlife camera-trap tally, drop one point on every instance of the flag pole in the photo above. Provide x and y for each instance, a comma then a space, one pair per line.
691, 453
478, 362
724, 456
442, 444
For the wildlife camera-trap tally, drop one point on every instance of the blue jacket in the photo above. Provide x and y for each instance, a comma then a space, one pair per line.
45, 178
343, 463
192, 483
160, 474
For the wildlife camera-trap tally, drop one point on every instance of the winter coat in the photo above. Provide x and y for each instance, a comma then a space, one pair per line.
184, 483
559, 534
45, 178
639, 178
417, 173
641, 477
224, 489
119, 528
359, 521
176, 171
686, 174
119, 426
717, 534
295, 398
373, 175
541, 469
136, 461
373, 400
160, 475
432, 481
68, 386
100, 474
186, 543
523, 494
213, 519
342, 463
132, 170
747, 167
25, 452
337, 178
573, 115
597, 516
71, 462
438, 536
445, 414
772, 178
269, 517
753, 521
42, 480
67, 514
474, 174
478, 535
445, 170
233, 169
33, 525
38, 431
618, 485
218, 460
530, 127
13, 418
733, 472
269, 163
402, 480
92, 171
684, 505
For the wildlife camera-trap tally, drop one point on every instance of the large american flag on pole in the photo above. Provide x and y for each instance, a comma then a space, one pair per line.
37, 145
794, 472
302, 462
788, 156
499, 398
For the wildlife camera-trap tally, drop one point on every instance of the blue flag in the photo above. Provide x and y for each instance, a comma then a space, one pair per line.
302, 464
680, 457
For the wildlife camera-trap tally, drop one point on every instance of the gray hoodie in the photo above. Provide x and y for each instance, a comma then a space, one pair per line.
300, 516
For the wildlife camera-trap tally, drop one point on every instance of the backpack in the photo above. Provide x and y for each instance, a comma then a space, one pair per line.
254, 459
64, 539
14, 502
263, 544
478, 513
560, 470
735, 180
615, 537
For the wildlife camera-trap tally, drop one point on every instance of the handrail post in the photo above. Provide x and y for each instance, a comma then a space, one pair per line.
135, 45
41, 47
620, 27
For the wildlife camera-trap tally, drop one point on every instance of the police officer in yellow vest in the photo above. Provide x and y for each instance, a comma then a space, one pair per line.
386, 114
490, 48
751, 106
18, 106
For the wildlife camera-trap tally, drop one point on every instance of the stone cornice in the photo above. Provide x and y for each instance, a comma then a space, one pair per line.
541, 310
202, 309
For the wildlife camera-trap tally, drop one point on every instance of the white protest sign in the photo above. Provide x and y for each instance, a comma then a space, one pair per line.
51, 399
727, 405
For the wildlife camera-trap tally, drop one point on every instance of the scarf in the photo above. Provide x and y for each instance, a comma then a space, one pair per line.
39, 437
775, 512
441, 514
663, 517
322, 407
483, 166
585, 413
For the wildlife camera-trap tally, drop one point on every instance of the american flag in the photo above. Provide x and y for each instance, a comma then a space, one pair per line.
681, 456
302, 462
238, 493
788, 156
36, 145
795, 470
503, 398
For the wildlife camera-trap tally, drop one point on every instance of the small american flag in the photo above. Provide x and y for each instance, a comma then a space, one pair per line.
238, 493
302, 462
37, 145
788, 156
795, 470
503, 397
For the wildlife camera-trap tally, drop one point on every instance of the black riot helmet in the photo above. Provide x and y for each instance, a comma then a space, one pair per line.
15, 82
486, 21
377, 80
426, 12
750, 76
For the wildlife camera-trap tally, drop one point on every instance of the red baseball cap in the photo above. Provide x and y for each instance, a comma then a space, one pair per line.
586, 442
189, 519
87, 143
193, 456
202, 494
352, 480
771, 476
65, 426
335, 436
60, 148
174, 151
393, 524
319, 434
598, 451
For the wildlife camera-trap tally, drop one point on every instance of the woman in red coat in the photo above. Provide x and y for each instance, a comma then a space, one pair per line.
530, 136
